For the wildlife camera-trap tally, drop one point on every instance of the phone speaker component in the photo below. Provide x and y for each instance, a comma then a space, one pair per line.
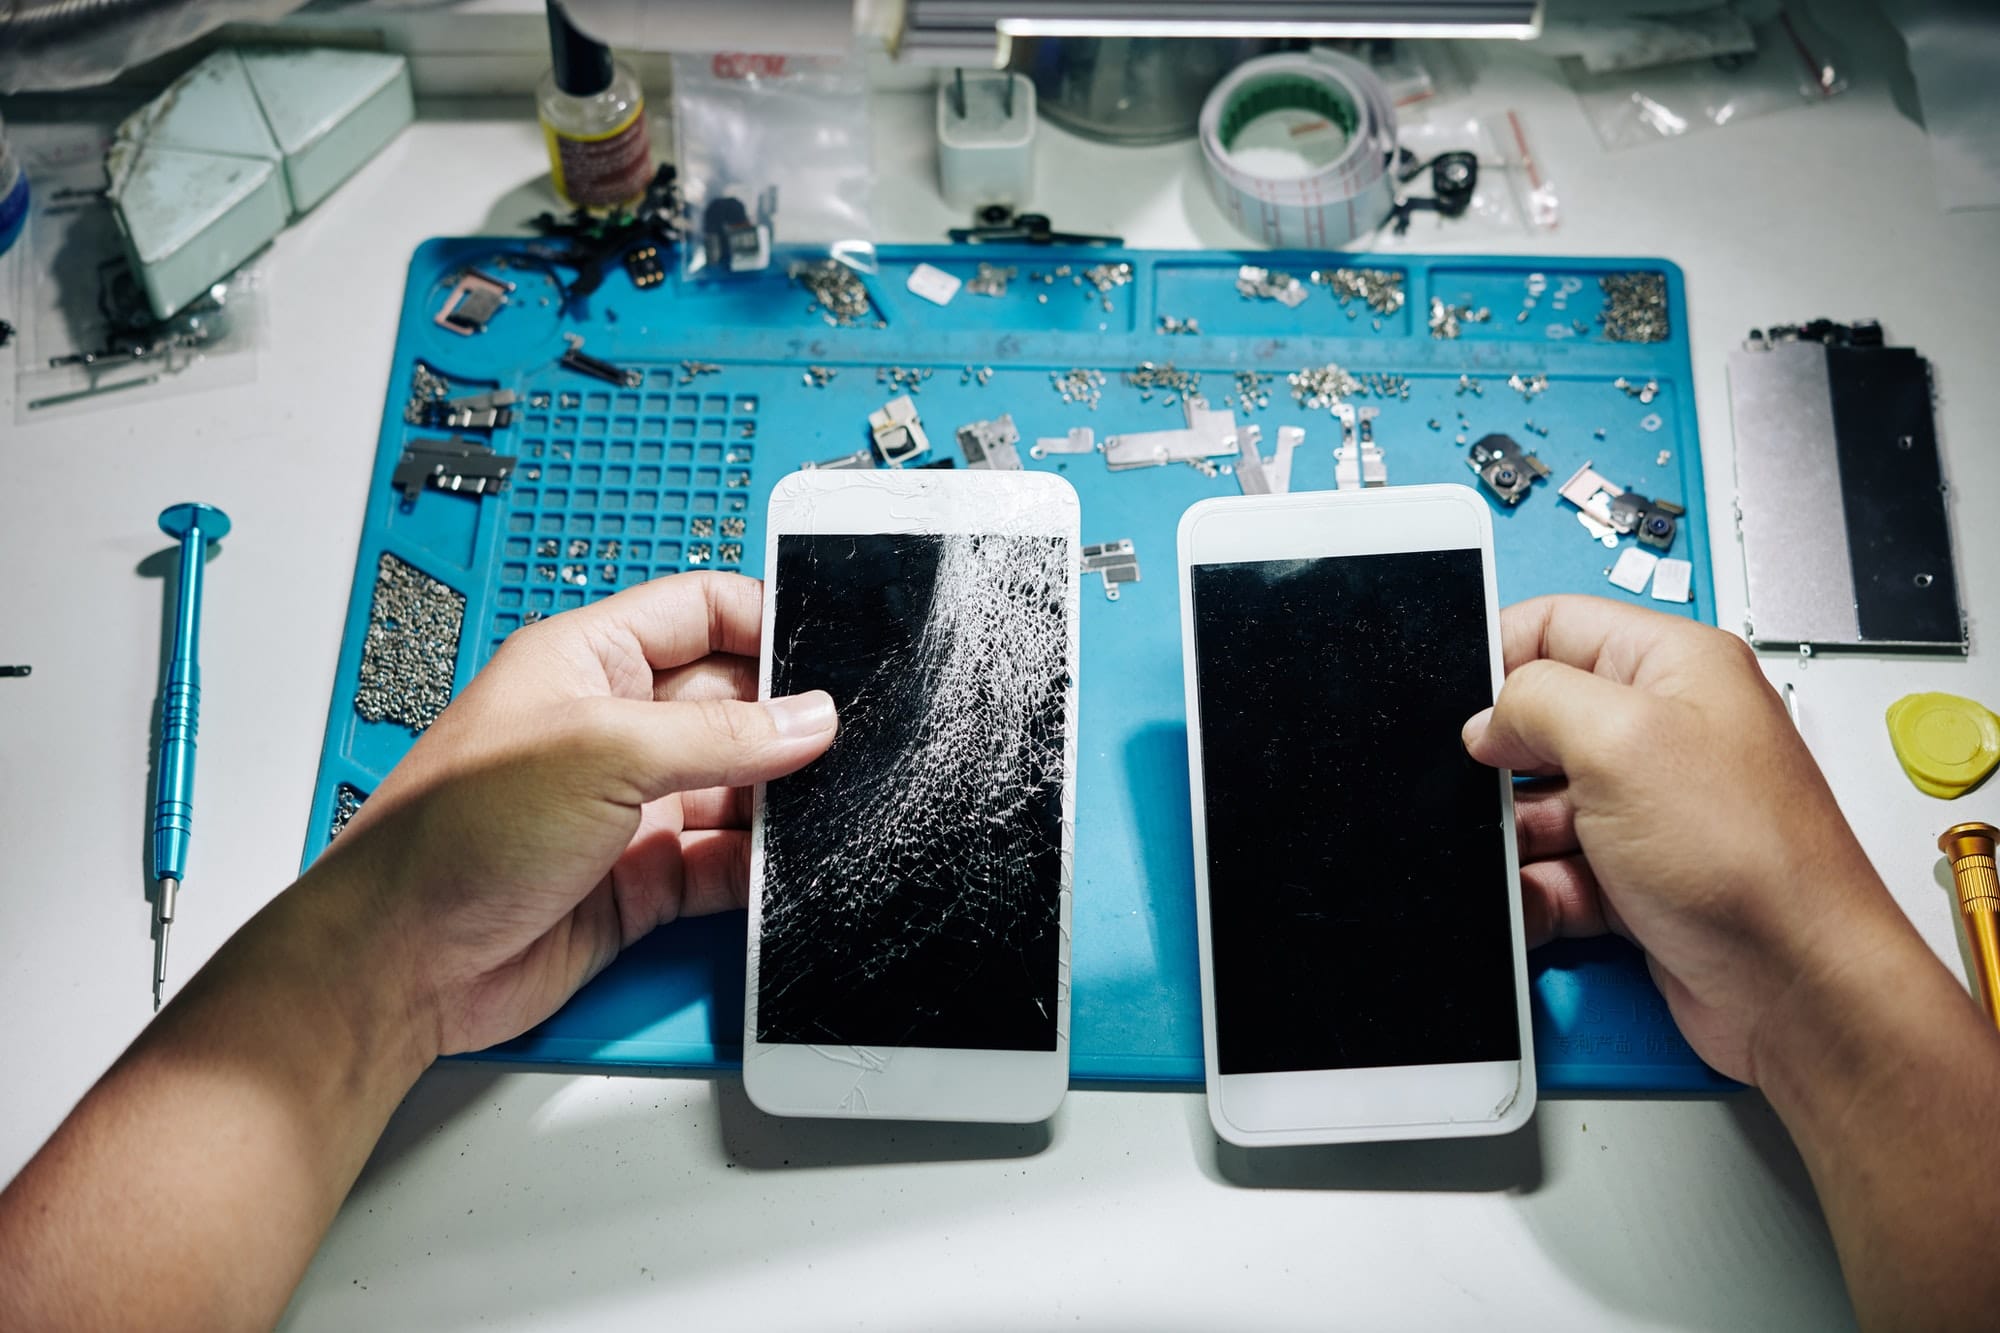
460, 465
991, 445
1841, 494
1946, 744
1633, 570
1208, 434
1331, 109
1114, 562
898, 434
1505, 468
575, 358
1673, 581
479, 411
644, 265
732, 241
472, 302
1079, 440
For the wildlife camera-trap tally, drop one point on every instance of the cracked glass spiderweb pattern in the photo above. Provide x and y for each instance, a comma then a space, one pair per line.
912, 875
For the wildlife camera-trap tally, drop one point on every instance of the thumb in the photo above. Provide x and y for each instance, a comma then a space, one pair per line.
653, 749
1549, 718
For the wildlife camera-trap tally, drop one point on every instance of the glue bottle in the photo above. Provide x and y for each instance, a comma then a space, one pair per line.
594, 117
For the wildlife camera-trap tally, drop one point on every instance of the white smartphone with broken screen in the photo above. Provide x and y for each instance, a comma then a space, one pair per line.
910, 890
1362, 966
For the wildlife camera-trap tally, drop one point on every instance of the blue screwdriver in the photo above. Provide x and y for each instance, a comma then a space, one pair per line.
196, 525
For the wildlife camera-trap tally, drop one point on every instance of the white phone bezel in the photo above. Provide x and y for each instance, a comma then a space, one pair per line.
911, 1082
1350, 1105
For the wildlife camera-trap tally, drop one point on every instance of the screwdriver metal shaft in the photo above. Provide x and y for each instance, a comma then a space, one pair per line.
196, 525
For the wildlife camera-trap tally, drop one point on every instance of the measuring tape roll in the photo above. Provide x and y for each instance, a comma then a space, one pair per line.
1260, 130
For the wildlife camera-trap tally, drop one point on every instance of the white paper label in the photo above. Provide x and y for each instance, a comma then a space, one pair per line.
934, 284
1672, 581
1634, 567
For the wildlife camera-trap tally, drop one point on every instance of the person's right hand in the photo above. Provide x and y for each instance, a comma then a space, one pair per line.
1685, 813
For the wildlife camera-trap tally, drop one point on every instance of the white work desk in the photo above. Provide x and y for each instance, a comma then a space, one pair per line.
534, 1199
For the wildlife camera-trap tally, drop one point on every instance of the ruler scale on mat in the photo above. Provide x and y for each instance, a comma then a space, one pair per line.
741, 382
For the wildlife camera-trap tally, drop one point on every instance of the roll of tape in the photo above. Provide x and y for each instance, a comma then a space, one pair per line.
1272, 164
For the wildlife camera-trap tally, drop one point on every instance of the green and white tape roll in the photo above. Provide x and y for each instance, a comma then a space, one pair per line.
1299, 147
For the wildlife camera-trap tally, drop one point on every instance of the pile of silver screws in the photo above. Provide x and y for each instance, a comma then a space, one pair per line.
694, 370
979, 375
991, 280
426, 387
732, 527
818, 377
1148, 378
538, 400
411, 646
1251, 394
1446, 317
731, 553
908, 379
1468, 384
1635, 307
347, 801
1175, 324
701, 527
548, 548
1380, 289
609, 548
1323, 386
838, 293
575, 575
579, 548
1384, 385
1104, 277
1645, 393
1263, 284
1528, 386
569, 400
1078, 386
700, 553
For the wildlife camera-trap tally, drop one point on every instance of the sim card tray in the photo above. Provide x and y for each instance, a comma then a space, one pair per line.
1115, 562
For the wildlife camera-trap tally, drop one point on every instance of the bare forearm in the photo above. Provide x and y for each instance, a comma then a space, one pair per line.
191, 1186
1889, 1080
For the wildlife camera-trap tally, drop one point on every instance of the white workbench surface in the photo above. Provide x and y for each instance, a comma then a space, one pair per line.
530, 1199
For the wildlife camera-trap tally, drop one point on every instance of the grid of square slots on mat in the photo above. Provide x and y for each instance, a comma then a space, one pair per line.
621, 488
588, 487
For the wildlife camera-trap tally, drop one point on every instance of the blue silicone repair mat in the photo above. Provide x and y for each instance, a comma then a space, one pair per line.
614, 486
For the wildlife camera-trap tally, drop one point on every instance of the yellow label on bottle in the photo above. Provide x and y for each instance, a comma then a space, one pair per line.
602, 170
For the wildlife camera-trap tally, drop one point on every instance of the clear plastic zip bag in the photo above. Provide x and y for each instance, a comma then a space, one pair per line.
773, 153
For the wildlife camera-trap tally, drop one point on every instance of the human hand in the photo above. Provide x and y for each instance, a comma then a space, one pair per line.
1684, 813
591, 783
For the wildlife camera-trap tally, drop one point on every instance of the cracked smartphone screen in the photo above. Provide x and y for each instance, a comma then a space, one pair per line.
1357, 865
913, 874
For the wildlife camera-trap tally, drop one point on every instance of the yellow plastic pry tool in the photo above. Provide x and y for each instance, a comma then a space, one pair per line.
1947, 744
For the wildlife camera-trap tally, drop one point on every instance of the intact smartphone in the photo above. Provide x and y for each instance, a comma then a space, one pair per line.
910, 890
1363, 974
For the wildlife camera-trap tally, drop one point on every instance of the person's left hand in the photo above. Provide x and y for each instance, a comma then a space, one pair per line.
591, 783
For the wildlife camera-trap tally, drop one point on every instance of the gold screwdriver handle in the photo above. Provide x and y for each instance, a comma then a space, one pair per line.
1970, 848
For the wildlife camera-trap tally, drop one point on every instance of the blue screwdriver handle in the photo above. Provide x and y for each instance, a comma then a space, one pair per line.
180, 699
